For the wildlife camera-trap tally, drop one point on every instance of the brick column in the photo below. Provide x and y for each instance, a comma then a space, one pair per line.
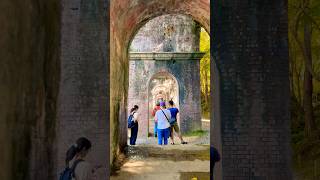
252, 125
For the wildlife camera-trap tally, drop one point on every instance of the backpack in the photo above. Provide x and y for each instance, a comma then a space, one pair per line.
172, 121
68, 173
131, 122
214, 154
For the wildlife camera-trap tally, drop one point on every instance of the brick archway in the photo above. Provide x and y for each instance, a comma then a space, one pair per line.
176, 84
245, 94
130, 18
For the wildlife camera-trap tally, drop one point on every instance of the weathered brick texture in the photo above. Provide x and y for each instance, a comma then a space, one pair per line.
83, 99
167, 33
251, 53
184, 68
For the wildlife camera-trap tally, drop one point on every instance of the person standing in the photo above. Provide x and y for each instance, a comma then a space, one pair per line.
153, 113
174, 124
162, 117
135, 128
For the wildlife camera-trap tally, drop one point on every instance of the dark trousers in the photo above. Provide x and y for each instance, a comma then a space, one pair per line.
211, 169
134, 134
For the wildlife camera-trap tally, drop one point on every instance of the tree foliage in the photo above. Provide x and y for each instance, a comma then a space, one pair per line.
205, 72
304, 56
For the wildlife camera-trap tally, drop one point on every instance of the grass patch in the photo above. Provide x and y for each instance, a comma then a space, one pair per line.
196, 133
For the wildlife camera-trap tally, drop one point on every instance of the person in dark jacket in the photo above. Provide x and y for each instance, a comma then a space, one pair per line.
214, 157
135, 128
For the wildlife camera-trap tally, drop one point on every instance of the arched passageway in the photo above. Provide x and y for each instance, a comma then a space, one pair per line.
161, 86
246, 94
167, 43
165, 64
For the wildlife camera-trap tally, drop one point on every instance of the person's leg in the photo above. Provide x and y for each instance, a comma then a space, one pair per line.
131, 136
155, 129
177, 130
160, 136
166, 135
135, 133
171, 134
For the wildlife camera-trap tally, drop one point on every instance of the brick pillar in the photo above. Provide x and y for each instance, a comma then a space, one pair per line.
251, 126
84, 99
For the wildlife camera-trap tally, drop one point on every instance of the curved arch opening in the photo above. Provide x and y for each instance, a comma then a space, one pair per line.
154, 16
169, 33
162, 86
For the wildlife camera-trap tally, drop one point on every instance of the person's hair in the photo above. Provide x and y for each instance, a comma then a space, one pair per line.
132, 109
135, 107
158, 103
171, 102
81, 144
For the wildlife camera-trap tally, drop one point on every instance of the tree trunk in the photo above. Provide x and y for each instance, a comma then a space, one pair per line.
206, 88
291, 72
310, 125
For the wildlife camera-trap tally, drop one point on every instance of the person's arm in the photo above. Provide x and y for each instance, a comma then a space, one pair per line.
84, 171
156, 117
153, 113
136, 117
178, 114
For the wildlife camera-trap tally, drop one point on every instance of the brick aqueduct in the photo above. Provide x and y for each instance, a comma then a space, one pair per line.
165, 63
62, 79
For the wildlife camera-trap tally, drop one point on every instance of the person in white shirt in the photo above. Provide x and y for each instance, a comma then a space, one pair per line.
135, 128
162, 117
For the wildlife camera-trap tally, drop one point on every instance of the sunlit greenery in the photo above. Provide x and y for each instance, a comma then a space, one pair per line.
205, 73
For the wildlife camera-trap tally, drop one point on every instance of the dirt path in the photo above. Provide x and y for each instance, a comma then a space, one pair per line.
149, 161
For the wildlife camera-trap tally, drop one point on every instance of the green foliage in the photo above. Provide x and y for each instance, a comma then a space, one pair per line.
306, 149
198, 133
205, 73
315, 9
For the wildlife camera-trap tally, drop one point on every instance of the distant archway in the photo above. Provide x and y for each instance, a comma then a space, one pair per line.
161, 86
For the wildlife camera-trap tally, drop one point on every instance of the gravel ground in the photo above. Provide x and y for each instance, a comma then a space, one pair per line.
149, 161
